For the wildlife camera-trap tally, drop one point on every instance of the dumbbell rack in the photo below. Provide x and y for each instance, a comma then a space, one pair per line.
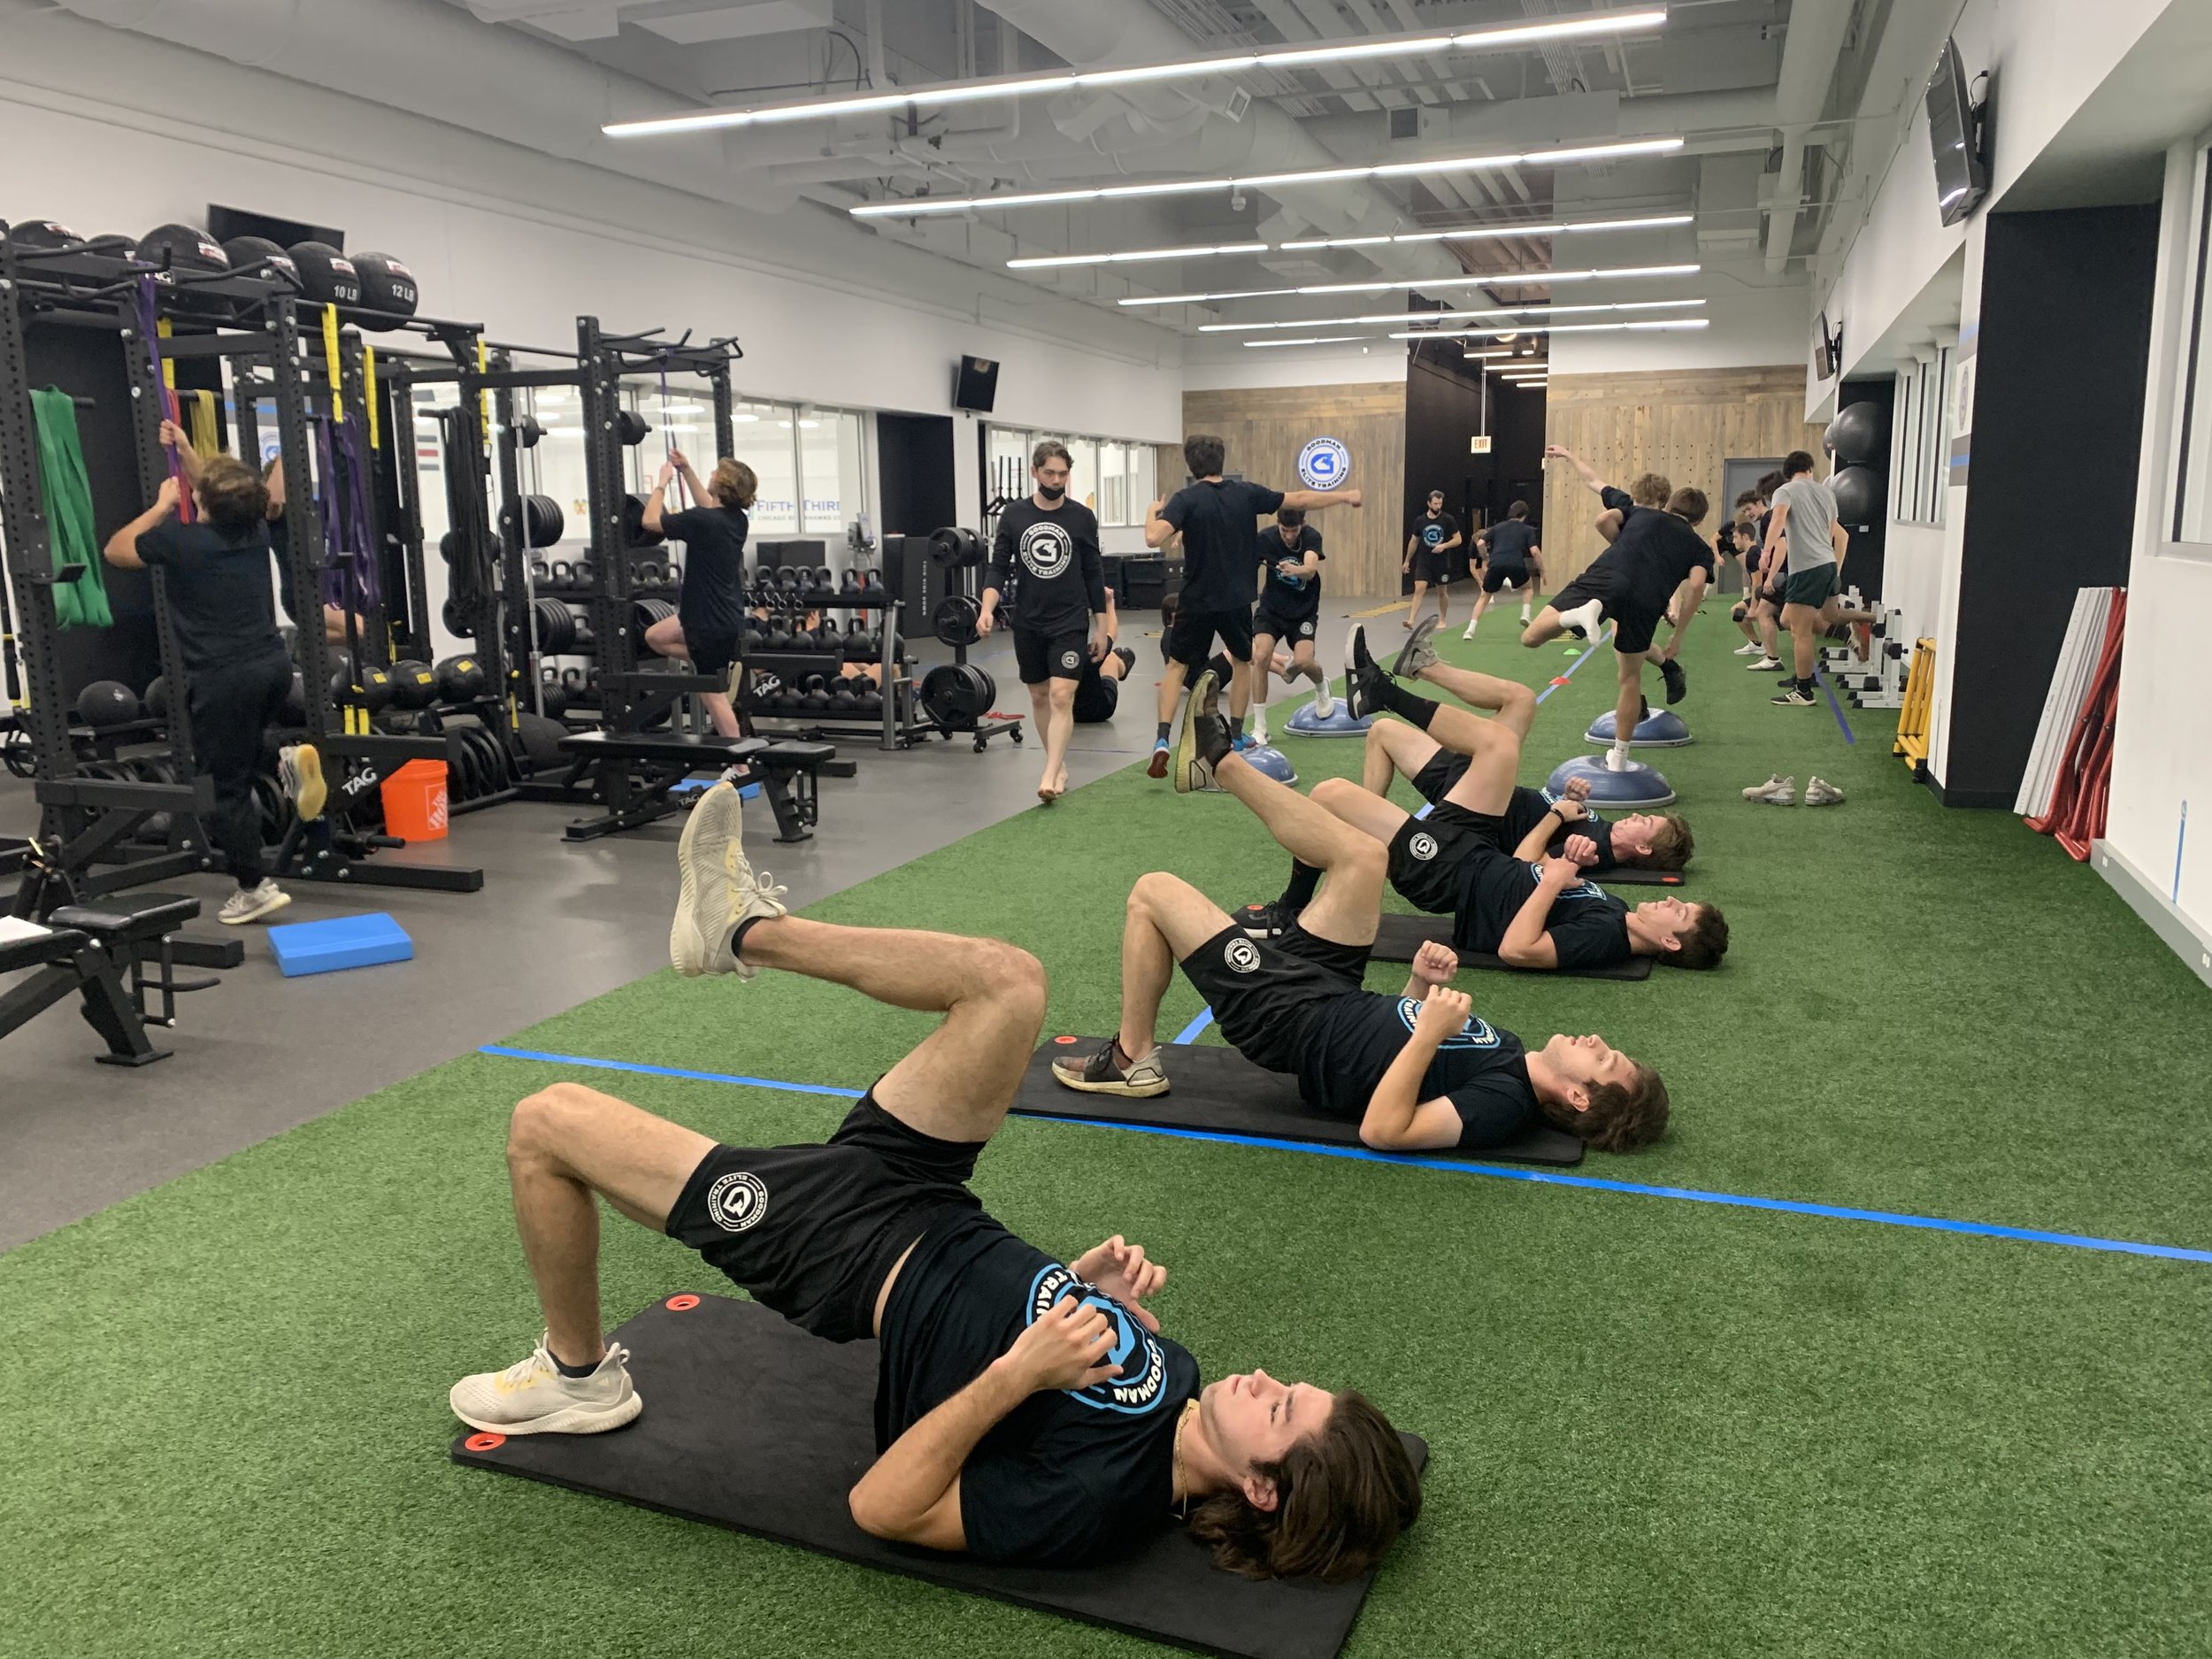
573, 584
898, 727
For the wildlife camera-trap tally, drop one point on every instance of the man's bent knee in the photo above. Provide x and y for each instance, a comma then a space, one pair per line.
535, 1126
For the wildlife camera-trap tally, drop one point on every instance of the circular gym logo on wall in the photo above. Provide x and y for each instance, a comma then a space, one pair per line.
1323, 463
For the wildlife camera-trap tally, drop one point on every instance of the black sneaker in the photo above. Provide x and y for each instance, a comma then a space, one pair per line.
1795, 694
1677, 682
1364, 681
1100, 1073
1263, 921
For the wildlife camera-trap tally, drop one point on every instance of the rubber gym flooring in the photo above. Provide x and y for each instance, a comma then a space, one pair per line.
1661, 1427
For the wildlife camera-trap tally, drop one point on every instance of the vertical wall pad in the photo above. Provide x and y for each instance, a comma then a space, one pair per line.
751, 1424
344, 942
2060, 362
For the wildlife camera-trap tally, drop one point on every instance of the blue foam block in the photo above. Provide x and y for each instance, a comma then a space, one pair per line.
344, 942
1662, 728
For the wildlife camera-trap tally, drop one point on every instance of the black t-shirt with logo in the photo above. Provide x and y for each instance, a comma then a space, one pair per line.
712, 604
1216, 520
1066, 1476
1433, 532
1508, 544
1482, 1071
1654, 555
1052, 553
1293, 601
219, 594
1588, 925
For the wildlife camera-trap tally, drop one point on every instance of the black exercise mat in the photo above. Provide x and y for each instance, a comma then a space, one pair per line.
1639, 875
1402, 936
1214, 1089
751, 1424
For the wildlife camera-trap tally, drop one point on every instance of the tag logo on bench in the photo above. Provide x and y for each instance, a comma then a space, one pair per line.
737, 1201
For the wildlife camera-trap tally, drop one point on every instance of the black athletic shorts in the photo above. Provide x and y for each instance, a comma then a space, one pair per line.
812, 1231
1096, 697
1435, 568
1427, 860
1443, 770
1495, 576
1192, 638
1635, 621
1041, 656
1489, 825
714, 653
1265, 992
1276, 626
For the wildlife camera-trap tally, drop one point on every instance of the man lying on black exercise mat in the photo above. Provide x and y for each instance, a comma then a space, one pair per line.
1416, 1072
1529, 911
1655, 840
1027, 1410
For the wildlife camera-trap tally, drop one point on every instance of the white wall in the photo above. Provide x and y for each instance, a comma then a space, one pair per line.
1217, 366
2162, 743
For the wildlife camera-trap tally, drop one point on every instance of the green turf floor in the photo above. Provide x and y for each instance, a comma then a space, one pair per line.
1660, 1426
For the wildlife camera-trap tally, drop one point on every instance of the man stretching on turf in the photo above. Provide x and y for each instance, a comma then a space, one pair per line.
1634, 581
1416, 1072
1529, 911
1290, 558
1652, 841
1510, 559
1218, 519
1005, 1428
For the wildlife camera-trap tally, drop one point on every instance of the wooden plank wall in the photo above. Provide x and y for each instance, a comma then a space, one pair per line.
1266, 427
1684, 423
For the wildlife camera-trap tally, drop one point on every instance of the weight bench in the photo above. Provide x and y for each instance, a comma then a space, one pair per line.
86, 949
634, 773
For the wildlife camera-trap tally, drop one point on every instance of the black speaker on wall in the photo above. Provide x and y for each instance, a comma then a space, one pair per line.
976, 385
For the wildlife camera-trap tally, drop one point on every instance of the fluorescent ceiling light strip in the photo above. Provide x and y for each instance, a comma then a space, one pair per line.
1545, 328
1481, 232
1040, 261
1316, 340
909, 206
1509, 279
1454, 316
1501, 38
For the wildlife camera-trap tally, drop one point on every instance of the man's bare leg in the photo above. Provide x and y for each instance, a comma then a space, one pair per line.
1171, 678
1514, 704
1349, 905
1393, 749
1413, 611
1167, 918
1546, 627
1368, 813
1057, 722
1628, 708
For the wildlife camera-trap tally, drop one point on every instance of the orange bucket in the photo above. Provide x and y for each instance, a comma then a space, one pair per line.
415, 803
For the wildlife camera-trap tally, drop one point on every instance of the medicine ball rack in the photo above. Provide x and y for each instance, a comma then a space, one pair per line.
249, 322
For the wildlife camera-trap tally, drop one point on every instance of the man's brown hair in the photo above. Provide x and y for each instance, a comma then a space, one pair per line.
1651, 490
1689, 504
1620, 1117
1706, 942
232, 494
1342, 1497
1203, 453
732, 484
1046, 449
1671, 844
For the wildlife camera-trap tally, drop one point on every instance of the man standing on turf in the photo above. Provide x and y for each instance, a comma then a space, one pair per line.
1218, 519
1418, 1072
1804, 519
1429, 546
1028, 1411
1062, 625
1529, 911
1290, 560
1653, 554
1511, 561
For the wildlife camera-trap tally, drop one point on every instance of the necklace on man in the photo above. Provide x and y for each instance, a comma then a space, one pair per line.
1182, 1423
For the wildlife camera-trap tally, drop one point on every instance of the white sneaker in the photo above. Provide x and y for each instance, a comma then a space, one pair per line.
1324, 704
300, 775
1820, 792
1750, 647
1784, 793
1470, 634
250, 904
1617, 758
1526, 617
1259, 724
719, 887
1765, 665
1760, 791
1585, 619
533, 1397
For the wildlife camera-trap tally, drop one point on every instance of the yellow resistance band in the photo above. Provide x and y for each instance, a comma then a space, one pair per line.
168, 369
484, 414
368, 385
330, 346
197, 409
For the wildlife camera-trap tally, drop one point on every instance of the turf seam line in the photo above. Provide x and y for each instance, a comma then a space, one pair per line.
1564, 678
1189, 1034
1365, 1155
1835, 708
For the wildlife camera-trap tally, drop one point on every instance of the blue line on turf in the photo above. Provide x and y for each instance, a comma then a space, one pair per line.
1542, 1178
1821, 675
1189, 1034
1578, 662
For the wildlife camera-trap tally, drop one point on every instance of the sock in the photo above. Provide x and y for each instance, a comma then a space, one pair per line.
1403, 703
1162, 738
567, 1370
1304, 880
1236, 727
737, 936
1620, 757
247, 884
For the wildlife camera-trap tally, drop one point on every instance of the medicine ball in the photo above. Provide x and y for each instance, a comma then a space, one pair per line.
460, 678
244, 251
1859, 492
32, 234
182, 247
107, 702
156, 698
376, 689
386, 285
414, 685
1856, 436
326, 275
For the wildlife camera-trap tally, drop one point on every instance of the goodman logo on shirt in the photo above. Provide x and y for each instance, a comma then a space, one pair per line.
1431, 534
1046, 550
1142, 1383
1476, 1034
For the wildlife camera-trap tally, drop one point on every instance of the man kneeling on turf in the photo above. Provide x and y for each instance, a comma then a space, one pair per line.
1527, 910
1417, 1071
1004, 1426
1652, 841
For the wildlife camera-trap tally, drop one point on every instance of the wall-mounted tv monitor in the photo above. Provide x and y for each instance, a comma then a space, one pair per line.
1962, 180
977, 385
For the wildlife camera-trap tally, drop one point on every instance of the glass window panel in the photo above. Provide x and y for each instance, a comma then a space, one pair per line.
829, 471
765, 434
2192, 462
1083, 480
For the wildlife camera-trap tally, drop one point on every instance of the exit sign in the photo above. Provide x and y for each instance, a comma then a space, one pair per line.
1480, 444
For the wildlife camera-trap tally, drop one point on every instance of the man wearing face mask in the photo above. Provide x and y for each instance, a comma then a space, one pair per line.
1060, 624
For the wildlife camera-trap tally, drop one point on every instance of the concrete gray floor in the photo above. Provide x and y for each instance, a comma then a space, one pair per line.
555, 923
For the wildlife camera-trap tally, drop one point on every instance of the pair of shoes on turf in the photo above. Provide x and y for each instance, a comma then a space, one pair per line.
1782, 792
1107, 1070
